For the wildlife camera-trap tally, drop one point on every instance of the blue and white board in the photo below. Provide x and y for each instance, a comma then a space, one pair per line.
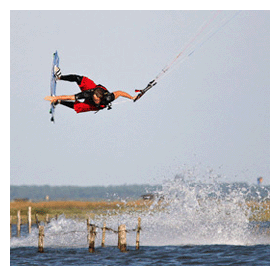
53, 82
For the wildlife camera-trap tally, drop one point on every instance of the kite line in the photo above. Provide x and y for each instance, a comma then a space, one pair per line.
207, 30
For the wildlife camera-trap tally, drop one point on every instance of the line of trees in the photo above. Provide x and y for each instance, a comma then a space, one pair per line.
38, 193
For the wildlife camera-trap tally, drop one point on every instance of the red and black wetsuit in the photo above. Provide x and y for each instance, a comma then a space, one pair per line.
87, 87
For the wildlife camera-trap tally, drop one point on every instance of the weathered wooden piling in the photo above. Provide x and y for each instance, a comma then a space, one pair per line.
92, 239
47, 219
88, 229
29, 219
41, 239
18, 223
118, 237
138, 234
122, 237
37, 222
103, 235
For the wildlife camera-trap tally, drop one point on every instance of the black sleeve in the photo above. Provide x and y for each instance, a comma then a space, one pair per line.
83, 95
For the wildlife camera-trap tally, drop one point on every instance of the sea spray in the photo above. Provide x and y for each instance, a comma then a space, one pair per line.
195, 213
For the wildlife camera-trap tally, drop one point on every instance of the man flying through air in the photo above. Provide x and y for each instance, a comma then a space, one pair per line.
96, 97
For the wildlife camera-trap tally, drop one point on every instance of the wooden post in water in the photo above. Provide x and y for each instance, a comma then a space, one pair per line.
92, 239
37, 222
119, 236
47, 220
103, 235
122, 238
138, 234
41, 239
29, 220
18, 223
88, 230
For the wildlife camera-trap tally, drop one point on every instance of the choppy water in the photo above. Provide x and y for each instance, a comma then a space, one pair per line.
166, 255
194, 224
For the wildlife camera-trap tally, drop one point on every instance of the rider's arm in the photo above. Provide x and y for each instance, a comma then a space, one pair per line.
122, 94
60, 97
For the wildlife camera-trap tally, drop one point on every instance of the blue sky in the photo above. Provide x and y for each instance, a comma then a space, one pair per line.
211, 113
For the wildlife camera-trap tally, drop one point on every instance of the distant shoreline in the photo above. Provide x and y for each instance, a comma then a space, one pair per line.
94, 193
115, 193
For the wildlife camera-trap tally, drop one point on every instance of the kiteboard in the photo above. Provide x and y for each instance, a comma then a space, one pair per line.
147, 88
53, 83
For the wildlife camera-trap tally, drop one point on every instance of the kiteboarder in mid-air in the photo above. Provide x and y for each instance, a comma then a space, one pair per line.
96, 97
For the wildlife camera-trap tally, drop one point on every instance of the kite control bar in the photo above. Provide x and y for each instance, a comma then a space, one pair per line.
142, 92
